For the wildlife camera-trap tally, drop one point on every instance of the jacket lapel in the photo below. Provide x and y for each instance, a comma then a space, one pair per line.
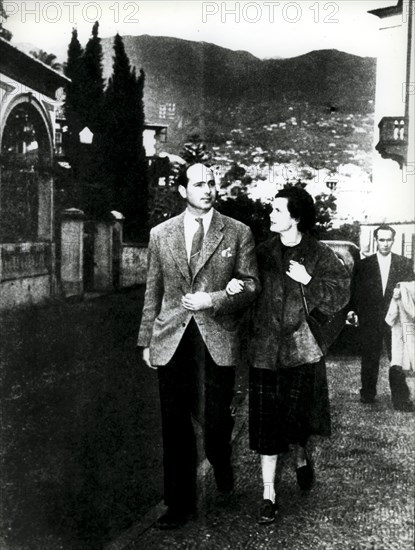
177, 244
392, 278
211, 241
375, 278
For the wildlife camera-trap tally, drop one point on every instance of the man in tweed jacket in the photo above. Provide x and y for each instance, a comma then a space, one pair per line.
189, 332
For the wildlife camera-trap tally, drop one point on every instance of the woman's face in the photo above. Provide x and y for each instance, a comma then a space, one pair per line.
280, 217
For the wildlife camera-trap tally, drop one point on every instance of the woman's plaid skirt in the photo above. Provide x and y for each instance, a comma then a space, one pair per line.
287, 406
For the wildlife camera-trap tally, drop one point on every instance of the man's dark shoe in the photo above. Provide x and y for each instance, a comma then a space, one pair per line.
267, 512
367, 400
173, 518
408, 406
305, 476
224, 478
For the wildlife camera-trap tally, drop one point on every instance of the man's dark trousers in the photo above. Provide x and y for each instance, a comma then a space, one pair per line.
192, 385
371, 351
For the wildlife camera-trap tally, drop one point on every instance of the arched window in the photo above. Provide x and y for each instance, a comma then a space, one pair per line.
25, 152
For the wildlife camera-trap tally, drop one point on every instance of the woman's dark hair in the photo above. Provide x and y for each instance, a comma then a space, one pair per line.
300, 205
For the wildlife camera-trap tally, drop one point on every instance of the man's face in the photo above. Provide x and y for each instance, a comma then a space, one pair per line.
384, 241
280, 216
200, 192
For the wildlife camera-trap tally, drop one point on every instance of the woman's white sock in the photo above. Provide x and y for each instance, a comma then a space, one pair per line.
269, 466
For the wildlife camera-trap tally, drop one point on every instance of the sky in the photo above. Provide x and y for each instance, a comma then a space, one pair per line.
265, 29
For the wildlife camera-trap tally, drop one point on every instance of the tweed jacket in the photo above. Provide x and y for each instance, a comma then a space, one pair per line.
228, 252
280, 336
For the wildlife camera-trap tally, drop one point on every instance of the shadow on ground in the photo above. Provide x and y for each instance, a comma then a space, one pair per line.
80, 428
81, 449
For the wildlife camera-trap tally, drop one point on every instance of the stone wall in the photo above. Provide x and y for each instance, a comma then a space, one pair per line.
25, 273
133, 265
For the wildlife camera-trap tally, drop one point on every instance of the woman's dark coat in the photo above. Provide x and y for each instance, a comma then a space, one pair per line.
280, 336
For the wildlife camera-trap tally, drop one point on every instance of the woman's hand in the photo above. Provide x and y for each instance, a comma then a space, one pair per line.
235, 286
298, 273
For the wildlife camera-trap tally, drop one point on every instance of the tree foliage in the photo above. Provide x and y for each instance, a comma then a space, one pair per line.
94, 81
74, 89
346, 232
4, 33
83, 108
124, 160
73, 108
194, 150
111, 173
325, 209
252, 213
47, 58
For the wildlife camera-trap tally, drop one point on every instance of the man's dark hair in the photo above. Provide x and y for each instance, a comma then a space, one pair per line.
384, 227
300, 205
182, 178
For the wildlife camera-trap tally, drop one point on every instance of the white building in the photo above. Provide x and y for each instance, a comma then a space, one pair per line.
30, 95
393, 199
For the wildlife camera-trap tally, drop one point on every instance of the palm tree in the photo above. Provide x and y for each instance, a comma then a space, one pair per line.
47, 59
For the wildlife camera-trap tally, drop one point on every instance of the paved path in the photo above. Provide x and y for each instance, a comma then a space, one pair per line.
363, 498
75, 408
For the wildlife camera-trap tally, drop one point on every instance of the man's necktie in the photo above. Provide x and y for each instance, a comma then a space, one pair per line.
197, 244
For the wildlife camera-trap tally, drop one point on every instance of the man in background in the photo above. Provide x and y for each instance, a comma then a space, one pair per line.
373, 288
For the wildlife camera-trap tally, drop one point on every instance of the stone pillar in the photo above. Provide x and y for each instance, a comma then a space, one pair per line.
117, 246
45, 193
72, 252
103, 256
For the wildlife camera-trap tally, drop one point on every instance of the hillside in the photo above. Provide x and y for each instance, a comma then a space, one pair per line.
203, 88
308, 117
196, 87
311, 114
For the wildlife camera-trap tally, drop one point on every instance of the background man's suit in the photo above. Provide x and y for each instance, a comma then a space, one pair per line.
371, 305
188, 347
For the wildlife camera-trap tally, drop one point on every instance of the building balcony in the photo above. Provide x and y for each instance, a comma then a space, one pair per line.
393, 139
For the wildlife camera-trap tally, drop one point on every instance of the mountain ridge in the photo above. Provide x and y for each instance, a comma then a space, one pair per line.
207, 87
200, 87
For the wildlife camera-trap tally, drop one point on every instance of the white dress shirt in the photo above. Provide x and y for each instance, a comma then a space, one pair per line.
384, 265
191, 226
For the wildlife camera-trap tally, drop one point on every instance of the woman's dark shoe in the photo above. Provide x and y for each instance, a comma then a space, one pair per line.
267, 512
305, 476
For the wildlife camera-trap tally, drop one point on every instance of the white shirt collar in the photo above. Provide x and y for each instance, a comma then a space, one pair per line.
384, 266
206, 218
384, 259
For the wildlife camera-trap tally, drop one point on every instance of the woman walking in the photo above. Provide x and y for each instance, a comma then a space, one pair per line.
288, 385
